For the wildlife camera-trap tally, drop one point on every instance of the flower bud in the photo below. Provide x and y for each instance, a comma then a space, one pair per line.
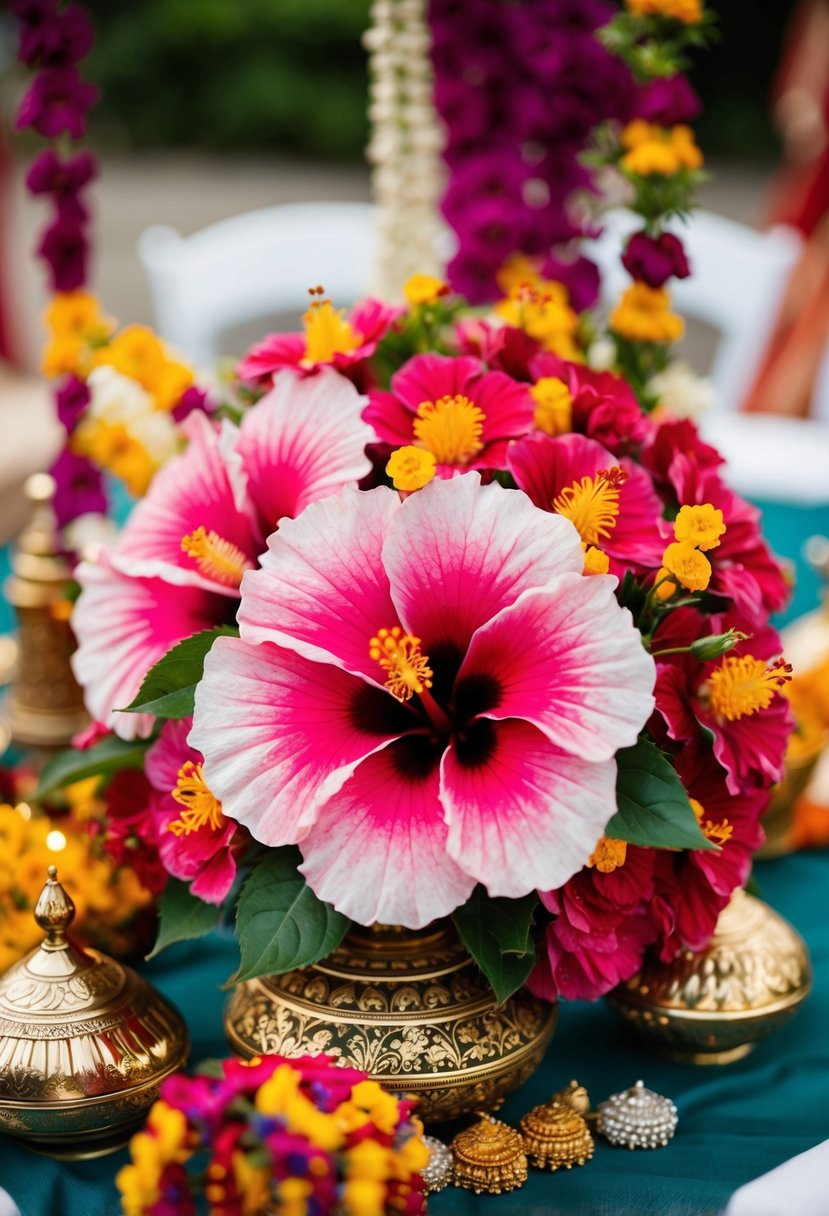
716, 644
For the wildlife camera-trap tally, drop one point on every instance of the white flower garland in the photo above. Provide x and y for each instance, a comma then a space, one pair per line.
405, 145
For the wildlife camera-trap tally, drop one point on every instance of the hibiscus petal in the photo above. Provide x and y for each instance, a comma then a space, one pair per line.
280, 734
322, 590
124, 625
169, 752
378, 848
272, 353
570, 660
204, 487
458, 552
303, 441
430, 377
528, 815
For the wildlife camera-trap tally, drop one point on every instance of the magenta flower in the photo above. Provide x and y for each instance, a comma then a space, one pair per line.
329, 337
455, 409
57, 100
425, 695
568, 475
668, 100
604, 405
197, 843
79, 487
71, 400
63, 180
65, 249
49, 36
183, 553
655, 259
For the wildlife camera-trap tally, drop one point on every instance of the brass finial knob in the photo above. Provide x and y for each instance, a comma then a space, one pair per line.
54, 912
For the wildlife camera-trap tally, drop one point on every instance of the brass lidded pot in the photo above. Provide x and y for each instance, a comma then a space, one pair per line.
84, 1042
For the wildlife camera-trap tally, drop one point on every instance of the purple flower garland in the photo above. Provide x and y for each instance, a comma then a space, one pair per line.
54, 37
519, 87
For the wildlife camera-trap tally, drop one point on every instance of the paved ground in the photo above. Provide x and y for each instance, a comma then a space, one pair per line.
189, 191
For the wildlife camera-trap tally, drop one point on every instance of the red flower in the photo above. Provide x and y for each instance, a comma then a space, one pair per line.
57, 100
604, 405
732, 700
131, 834
654, 260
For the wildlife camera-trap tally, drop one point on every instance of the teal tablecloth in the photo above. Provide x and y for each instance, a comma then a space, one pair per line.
734, 1123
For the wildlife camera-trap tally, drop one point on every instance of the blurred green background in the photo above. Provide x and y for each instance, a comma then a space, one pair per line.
289, 76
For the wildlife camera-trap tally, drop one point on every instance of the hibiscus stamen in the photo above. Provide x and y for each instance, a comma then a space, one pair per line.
200, 808
327, 333
450, 428
608, 855
216, 557
592, 504
399, 655
743, 685
718, 833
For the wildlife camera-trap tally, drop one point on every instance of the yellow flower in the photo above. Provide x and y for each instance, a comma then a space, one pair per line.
327, 332
411, 468
596, 560
690, 567
137, 353
364, 1197
553, 405
111, 446
280, 1095
542, 309
173, 380
652, 149
664, 585
689, 12
169, 1128
644, 315
374, 1105
424, 289
292, 1197
608, 855
254, 1184
64, 355
700, 525
77, 314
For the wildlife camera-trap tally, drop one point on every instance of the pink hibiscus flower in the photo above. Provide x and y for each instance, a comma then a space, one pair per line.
328, 337
178, 564
693, 886
734, 699
601, 927
604, 406
196, 842
425, 695
455, 409
572, 475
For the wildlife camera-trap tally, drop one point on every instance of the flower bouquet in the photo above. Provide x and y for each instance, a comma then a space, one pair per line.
430, 616
281, 1136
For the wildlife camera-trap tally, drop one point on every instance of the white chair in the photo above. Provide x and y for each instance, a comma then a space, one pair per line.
253, 266
738, 277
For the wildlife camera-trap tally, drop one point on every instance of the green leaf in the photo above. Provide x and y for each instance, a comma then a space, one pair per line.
169, 687
280, 922
653, 807
182, 916
496, 932
108, 756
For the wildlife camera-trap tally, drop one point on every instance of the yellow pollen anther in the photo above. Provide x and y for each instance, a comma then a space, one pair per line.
743, 685
399, 655
450, 428
701, 526
200, 808
592, 504
608, 855
216, 557
717, 833
327, 333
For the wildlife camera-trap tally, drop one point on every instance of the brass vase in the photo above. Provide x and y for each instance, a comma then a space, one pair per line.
713, 1006
409, 1008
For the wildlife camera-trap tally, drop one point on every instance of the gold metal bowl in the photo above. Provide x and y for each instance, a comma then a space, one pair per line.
713, 1006
409, 1008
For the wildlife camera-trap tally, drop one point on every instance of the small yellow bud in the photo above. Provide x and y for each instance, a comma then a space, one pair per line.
687, 565
411, 468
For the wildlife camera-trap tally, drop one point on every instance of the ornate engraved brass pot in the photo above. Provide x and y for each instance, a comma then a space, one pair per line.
409, 1008
84, 1042
713, 1006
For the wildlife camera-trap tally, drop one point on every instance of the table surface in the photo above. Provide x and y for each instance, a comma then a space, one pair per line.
735, 1122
